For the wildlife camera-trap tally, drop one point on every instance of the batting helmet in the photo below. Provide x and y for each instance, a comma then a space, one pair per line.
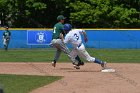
67, 27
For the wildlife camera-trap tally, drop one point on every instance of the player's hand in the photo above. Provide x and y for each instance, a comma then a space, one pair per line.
85, 39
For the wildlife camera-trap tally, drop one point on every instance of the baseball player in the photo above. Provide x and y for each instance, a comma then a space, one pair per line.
6, 38
74, 37
57, 37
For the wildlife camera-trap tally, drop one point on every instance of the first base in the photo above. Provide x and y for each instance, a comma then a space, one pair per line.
108, 70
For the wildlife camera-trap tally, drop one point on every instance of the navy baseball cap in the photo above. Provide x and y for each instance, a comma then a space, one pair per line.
61, 17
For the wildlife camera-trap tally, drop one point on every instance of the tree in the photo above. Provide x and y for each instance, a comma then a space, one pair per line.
81, 13
103, 13
18, 13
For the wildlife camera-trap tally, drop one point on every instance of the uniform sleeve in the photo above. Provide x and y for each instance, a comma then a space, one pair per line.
3, 34
80, 30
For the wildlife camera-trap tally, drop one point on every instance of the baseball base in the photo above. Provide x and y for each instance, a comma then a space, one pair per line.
108, 70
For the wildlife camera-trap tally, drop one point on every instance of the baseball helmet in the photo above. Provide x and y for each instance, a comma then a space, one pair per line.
67, 27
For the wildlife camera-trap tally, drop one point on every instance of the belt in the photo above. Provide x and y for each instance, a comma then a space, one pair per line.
79, 45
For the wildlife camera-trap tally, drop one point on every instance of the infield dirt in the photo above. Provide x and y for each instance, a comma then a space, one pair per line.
89, 79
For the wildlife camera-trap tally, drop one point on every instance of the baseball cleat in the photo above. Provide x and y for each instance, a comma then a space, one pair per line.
53, 63
76, 67
81, 63
103, 65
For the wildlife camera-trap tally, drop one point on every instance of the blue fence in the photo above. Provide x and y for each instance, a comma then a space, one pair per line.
28, 38
114, 38
104, 38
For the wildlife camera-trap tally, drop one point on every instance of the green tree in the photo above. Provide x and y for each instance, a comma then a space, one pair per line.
30, 13
103, 13
81, 13
18, 13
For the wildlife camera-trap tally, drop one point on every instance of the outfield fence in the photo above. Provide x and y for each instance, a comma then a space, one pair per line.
97, 38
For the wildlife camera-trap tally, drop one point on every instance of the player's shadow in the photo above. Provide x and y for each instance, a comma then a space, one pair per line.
78, 70
66, 69
85, 71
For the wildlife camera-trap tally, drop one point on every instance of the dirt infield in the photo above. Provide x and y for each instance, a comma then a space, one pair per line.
88, 79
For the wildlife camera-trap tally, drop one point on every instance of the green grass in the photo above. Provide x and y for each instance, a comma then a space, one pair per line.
46, 55
24, 83
118, 55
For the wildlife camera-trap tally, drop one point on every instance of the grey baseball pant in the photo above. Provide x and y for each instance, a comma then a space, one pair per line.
60, 46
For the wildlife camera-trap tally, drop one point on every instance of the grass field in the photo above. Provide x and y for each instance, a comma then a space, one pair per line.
46, 55
24, 83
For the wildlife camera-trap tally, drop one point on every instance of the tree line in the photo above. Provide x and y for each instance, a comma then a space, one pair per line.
80, 13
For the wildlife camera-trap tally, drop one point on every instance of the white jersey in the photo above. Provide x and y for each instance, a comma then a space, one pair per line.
74, 37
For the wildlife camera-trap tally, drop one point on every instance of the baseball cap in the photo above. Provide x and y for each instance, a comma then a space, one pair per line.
61, 17
6, 27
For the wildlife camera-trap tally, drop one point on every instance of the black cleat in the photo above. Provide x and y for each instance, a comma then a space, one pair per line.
54, 63
103, 65
80, 63
76, 66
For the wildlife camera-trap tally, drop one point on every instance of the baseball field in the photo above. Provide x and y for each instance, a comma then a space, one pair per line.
30, 71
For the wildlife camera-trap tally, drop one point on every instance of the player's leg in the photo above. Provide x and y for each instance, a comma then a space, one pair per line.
4, 43
79, 61
57, 53
74, 53
7, 43
65, 49
85, 55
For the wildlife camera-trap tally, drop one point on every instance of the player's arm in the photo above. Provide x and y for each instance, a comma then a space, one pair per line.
61, 36
85, 36
3, 36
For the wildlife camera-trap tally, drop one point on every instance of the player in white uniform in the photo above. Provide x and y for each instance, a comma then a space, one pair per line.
74, 37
